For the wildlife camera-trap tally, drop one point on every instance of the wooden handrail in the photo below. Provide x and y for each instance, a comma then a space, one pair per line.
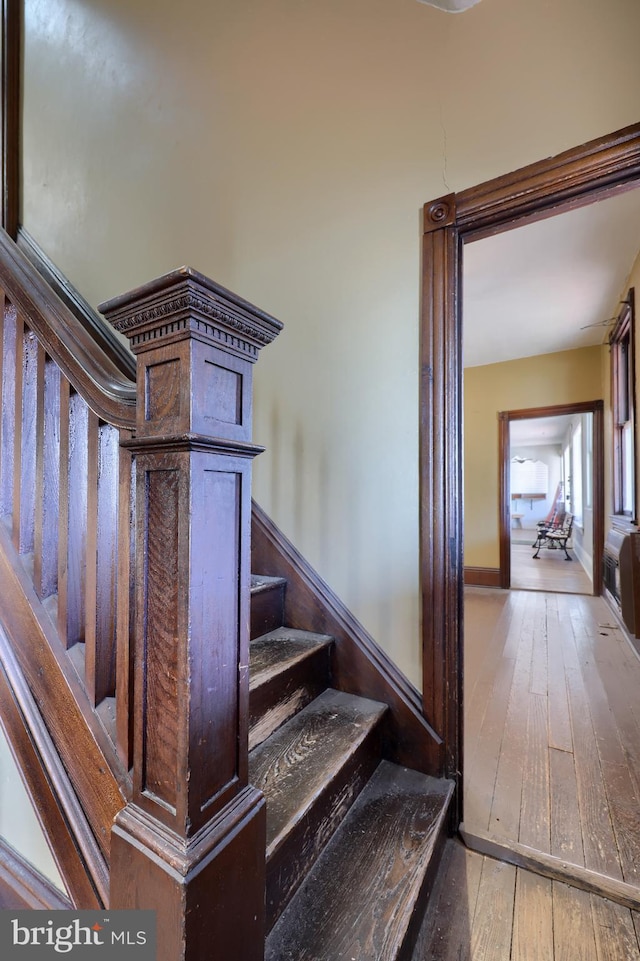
105, 389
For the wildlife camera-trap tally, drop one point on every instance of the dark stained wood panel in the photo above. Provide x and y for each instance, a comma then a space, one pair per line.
161, 491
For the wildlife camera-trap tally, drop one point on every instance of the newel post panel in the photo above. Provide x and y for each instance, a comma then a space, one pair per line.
191, 842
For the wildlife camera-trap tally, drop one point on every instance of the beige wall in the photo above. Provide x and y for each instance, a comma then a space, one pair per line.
285, 149
567, 377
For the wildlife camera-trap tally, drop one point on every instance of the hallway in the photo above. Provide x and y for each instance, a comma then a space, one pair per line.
552, 728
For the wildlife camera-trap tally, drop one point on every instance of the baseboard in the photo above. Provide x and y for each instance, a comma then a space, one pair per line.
554, 868
634, 642
482, 577
358, 663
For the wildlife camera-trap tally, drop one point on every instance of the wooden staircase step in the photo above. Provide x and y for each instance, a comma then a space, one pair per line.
311, 771
288, 669
365, 896
267, 604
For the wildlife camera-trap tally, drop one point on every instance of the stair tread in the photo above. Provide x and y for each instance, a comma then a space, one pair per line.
358, 899
261, 582
293, 765
279, 650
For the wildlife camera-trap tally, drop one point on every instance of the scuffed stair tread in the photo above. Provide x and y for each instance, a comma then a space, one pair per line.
358, 899
260, 582
277, 651
294, 765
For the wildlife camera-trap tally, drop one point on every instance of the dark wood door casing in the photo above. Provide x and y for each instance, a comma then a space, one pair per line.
595, 407
574, 178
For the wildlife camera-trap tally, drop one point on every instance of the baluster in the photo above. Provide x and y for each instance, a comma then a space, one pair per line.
74, 416
102, 560
47, 477
7, 422
126, 606
24, 465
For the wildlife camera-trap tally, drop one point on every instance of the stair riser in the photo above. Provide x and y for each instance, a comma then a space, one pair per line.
267, 610
280, 698
288, 866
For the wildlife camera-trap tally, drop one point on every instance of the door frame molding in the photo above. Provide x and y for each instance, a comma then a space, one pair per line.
572, 179
595, 407
10, 109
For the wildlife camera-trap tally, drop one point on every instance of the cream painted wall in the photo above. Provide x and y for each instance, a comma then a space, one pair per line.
567, 377
19, 824
285, 149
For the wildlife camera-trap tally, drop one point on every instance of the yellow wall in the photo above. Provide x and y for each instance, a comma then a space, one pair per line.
567, 377
285, 148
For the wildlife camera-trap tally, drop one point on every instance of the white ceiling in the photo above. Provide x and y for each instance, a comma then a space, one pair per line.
538, 288
539, 431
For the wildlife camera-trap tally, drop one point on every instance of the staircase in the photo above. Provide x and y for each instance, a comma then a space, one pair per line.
210, 736
353, 840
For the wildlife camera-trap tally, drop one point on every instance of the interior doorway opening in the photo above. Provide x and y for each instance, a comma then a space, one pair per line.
551, 503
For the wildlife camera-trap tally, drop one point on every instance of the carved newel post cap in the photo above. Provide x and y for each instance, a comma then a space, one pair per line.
185, 302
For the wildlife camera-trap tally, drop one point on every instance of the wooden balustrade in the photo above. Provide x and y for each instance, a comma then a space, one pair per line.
66, 487
134, 534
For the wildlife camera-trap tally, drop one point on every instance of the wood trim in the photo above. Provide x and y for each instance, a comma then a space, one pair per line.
441, 501
595, 407
504, 491
24, 888
571, 179
568, 180
102, 333
11, 68
482, 577
107, 391
73, 846
552, 867
358, 664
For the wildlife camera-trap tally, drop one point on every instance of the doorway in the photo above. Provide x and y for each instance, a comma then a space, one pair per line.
576, 486
567, 181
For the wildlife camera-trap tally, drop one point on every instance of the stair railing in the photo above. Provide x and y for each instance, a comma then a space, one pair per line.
137, 512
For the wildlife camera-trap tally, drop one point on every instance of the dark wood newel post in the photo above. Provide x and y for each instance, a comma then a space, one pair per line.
191, 842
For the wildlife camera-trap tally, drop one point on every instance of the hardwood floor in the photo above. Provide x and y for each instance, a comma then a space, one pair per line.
552, 779
550, 572
486, 910
552, 729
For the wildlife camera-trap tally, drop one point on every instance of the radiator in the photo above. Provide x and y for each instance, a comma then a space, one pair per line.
621, 575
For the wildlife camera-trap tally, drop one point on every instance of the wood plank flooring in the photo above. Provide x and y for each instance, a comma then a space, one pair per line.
486, 910
552, 728
550, 572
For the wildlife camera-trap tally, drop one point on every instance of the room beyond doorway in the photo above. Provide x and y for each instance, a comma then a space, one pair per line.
572, 483
551, 493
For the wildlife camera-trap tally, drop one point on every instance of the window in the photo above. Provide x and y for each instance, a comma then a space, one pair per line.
623, 405
576, 473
